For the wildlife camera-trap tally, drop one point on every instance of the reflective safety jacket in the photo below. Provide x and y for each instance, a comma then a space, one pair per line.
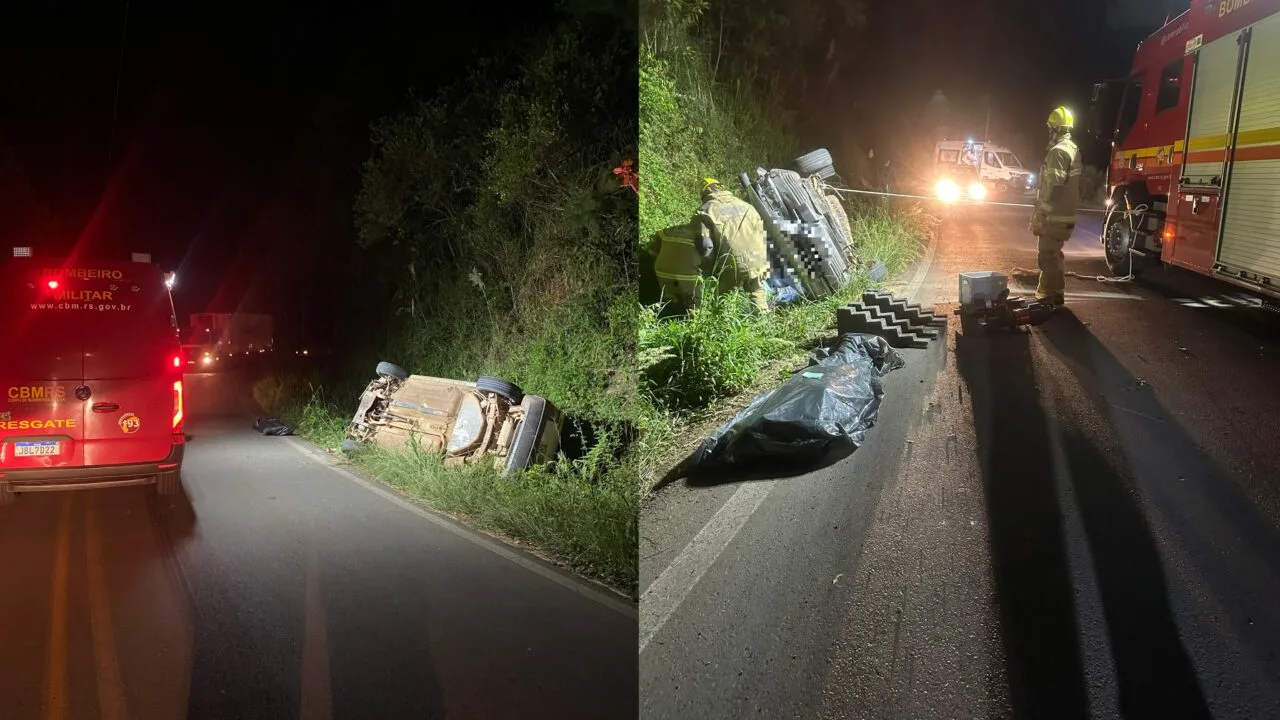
1059, 193
736, 233
682, 253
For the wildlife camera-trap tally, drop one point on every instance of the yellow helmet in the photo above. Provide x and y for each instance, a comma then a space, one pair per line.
1061, 119
708, 183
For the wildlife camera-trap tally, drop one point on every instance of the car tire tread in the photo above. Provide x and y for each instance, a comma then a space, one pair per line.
391, 370
502, 388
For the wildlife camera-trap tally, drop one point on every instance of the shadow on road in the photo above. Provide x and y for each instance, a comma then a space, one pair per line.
1025, 454
1231, 544
1028, 551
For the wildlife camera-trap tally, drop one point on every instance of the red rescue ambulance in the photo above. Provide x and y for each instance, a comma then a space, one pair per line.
1195, 166
90, 376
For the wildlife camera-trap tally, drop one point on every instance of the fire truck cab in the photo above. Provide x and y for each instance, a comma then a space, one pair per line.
1194, 177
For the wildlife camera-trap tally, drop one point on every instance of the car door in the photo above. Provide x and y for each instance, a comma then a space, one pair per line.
993, 168
41, 366
132, 366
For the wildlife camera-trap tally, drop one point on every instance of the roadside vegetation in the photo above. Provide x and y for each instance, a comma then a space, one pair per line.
713, 102
500, 241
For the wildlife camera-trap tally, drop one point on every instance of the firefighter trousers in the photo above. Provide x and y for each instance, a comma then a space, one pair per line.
1050, 258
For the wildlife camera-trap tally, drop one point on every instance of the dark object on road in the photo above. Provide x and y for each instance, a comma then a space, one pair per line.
821, 413
902, 324
271, 426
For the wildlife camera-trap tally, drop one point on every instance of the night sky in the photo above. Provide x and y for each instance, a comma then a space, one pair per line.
226, 117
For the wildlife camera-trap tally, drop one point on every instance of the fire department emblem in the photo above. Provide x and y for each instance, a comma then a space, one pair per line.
130, 424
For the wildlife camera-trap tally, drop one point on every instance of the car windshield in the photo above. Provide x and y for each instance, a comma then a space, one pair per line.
1008, 159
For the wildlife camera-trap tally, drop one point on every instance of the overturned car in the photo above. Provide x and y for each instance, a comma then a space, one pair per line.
490, 420
810, 246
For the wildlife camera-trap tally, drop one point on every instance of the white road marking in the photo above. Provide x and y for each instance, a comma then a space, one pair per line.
660, 601
665, 595
592, 593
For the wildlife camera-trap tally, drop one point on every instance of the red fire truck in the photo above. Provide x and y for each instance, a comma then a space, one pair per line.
1195, 162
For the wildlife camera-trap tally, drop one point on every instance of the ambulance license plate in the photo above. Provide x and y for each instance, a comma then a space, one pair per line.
38, 448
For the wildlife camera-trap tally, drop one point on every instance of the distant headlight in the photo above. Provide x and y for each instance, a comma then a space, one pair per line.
948, 191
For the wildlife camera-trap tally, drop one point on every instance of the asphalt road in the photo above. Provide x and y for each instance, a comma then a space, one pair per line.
279, 586
1078, 521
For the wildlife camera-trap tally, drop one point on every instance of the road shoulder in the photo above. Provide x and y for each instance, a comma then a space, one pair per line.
594, 591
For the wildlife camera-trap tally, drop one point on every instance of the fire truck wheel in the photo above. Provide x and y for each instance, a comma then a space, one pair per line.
389, 370
1117, 239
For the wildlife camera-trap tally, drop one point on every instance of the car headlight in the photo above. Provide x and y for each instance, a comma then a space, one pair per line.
948, 191
207, 360
977, 191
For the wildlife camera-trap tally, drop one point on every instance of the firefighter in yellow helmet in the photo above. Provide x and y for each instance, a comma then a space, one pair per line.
1054, 217
735, 233
682, 254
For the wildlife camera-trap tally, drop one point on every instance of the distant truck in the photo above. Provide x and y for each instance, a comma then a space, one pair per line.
223, 335
994, 167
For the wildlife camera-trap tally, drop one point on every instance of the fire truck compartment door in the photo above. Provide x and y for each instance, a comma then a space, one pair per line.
1251, 218
1211, 96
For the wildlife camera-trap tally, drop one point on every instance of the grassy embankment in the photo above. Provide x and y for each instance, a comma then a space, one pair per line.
696, 369
493, 213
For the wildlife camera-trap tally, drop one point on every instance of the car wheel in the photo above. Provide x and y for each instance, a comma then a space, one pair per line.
526, 440
350, 445
7, 495
168, 483
390, 370
817, 162
502, 388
